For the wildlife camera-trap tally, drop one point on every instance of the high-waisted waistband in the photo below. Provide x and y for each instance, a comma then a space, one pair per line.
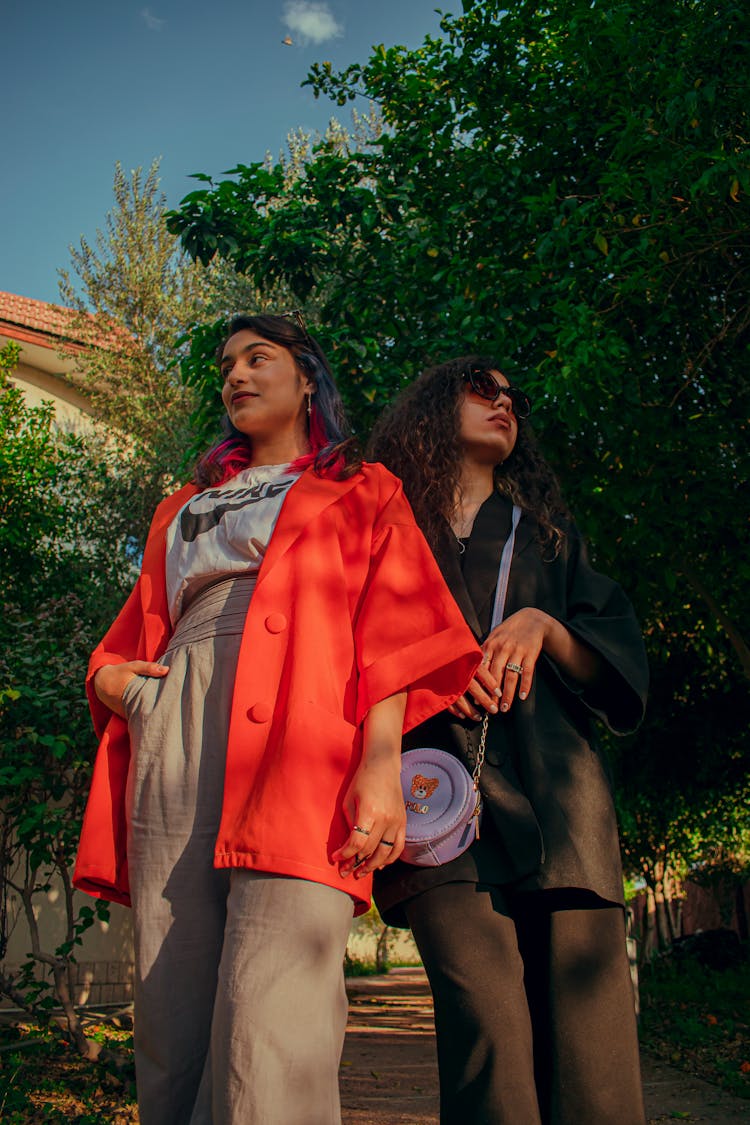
218, 610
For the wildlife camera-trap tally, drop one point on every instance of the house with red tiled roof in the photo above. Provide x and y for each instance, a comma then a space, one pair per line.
51, 342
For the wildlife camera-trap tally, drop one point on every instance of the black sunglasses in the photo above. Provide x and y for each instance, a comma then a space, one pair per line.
484, 384
299, 320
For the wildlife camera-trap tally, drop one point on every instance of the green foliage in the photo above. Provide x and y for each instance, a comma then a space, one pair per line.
566, 185
63, 571
135, 292
541, 191
696, 1019
29, 463
357, 967
135, 276
42, 1081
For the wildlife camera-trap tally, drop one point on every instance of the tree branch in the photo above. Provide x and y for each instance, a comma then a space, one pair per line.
736, 639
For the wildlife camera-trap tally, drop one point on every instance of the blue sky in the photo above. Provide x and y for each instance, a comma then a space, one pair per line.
201, 85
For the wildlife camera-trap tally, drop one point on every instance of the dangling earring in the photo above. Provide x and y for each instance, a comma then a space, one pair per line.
309, 404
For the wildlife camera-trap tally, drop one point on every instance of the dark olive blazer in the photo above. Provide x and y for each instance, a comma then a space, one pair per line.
549, 819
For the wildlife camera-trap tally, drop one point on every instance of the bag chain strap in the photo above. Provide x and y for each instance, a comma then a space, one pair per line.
477, 771
480, 752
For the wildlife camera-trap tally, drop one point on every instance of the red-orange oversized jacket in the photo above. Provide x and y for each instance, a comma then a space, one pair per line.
349, 608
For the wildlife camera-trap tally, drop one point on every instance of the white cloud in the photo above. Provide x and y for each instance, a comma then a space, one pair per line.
312, 21
152, 22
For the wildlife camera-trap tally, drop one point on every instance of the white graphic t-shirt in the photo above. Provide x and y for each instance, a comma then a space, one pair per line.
224, 530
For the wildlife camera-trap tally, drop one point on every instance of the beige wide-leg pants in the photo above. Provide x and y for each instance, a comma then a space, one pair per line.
240, 1008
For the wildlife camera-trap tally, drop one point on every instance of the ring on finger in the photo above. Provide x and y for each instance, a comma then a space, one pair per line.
511, 666
359, 861
364, 831
388, 843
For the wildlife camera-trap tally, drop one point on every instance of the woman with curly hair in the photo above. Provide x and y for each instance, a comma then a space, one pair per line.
250, 698
522, 935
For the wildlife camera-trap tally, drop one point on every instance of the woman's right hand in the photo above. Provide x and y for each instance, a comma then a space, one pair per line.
111, 680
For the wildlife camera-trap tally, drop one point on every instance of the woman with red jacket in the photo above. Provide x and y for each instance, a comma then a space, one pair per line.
289, 622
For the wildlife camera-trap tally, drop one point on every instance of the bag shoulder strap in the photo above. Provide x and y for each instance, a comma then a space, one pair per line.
497, 615
504, 572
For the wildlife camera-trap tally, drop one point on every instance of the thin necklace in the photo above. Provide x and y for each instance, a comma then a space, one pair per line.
462, 527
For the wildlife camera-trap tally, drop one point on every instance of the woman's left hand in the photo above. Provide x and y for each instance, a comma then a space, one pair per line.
374, 802
515, 644
374, 806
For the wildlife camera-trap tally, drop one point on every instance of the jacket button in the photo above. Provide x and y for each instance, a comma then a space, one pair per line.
276, 623
260, 712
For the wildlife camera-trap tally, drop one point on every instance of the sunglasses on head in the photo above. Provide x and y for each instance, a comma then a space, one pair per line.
299, 320
484, 384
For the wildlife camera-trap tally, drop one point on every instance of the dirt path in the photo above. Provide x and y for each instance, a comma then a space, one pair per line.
389, 1074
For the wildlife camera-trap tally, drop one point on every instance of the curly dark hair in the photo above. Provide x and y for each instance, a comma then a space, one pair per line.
417, 438
333, 450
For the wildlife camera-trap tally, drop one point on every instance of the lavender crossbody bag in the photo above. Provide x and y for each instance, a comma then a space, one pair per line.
442, 799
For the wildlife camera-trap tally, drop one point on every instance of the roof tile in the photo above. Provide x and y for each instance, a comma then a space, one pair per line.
52, 320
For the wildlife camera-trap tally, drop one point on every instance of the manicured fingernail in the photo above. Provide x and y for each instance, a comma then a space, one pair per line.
522, 694
493, 708
505, 706
498, 692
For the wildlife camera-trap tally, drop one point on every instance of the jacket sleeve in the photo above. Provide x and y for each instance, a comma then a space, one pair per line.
409, 633
599, 613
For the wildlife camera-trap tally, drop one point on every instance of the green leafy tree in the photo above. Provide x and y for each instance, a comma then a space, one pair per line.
567, 185
557, 182
60, 575
235, 288
136, 293
28, 464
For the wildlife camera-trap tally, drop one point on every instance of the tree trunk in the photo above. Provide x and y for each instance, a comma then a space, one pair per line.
662, 924
741, 911
672, 890
732, 631
60, 966
647, 931
381, 951
661, 907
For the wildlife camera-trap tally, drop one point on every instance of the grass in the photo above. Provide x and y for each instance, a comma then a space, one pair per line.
43, 1079
358, 967
698, 1020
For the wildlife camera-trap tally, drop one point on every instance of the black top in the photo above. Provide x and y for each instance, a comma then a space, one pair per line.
548, 818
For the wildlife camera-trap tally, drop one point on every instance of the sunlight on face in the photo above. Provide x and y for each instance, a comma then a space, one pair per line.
264, 391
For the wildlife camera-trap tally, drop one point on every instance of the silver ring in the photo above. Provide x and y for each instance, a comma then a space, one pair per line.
388, 843
511, 666
364, 831
358, 862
